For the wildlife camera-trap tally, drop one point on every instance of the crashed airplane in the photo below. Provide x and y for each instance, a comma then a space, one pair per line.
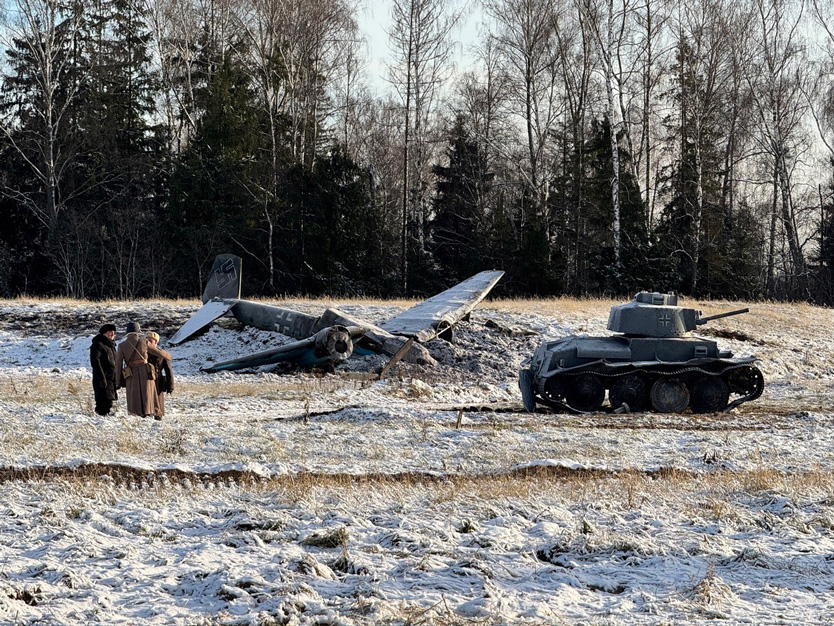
334, 335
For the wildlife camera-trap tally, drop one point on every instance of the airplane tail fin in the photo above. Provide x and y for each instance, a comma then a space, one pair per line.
224, 283
224, 278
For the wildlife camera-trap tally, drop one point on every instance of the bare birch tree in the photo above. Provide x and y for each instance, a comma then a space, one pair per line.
705, 82
577, 65
37, 101
482, 95
739, 114
299, 49
821, 91
351, 92
607, 19
777, 76
295, 49
190, 39
650, 24
525, 40
43, 31
176, 27
420, 40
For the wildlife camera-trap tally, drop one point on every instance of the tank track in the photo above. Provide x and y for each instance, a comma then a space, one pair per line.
754, 393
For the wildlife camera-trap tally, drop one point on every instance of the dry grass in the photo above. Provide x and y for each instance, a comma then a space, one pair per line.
788, 312
719, 494
129, 440
715, 494
38, 389
305, 387
554, 307
337, 538
80, 303
765, 320
291, 388
439, 615
81, 394
173, 441
711, 591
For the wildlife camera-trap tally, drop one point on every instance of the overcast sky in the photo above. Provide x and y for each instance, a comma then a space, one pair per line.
375, 22
374, 18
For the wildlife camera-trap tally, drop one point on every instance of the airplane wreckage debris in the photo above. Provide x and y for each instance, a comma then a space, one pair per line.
333, 336
653, 364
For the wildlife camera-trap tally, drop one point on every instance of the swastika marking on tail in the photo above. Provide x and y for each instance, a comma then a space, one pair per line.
225, 274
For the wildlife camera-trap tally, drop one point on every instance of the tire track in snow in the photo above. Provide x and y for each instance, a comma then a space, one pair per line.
134, 477
769, 418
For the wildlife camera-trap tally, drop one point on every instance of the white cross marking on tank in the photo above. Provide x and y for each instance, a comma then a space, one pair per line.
664, 319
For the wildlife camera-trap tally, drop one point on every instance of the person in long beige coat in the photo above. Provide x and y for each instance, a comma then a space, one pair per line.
132, 354
164, 373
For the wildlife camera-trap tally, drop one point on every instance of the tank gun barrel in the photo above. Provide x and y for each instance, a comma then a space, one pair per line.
718, 316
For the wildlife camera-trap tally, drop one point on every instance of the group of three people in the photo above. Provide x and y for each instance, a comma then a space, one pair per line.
137, 364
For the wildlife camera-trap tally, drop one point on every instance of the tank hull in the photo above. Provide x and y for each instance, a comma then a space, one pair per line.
670, 375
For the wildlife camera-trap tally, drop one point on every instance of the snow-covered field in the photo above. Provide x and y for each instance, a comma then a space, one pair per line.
425, 498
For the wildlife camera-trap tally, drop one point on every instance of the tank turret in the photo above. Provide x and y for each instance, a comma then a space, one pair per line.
654, 363
653, 314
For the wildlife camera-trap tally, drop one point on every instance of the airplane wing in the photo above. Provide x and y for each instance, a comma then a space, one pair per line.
440, 313
210, 311
331, 344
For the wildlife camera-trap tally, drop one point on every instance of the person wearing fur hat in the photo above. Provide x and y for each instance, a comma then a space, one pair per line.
135, 374
164, 374
103, 362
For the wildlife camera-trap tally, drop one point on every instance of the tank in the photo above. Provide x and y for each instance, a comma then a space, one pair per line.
653, 363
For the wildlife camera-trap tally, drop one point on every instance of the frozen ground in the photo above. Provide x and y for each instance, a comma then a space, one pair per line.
426, 498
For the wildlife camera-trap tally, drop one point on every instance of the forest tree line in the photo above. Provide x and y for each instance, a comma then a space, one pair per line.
595, 147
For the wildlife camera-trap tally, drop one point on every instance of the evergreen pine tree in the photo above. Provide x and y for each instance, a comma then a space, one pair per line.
118, 150
333, 247
713, 248
212, 204
640, 268
458, 228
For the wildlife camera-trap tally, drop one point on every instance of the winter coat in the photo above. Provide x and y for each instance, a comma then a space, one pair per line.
132, 354
164, 378
103, 362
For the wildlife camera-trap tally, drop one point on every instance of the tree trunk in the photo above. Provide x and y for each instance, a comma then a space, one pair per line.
406, 162
771, 246
615, 153
699, 209
797, 258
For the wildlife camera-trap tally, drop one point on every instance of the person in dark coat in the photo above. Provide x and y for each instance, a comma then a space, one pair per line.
164, 373
103, 362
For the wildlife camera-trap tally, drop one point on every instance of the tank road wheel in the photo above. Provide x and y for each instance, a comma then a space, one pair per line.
554, 389
585, 393
631, 390
669, 395
710, 394
746, 381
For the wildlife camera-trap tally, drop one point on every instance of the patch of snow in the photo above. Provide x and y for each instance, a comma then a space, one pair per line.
447, 503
